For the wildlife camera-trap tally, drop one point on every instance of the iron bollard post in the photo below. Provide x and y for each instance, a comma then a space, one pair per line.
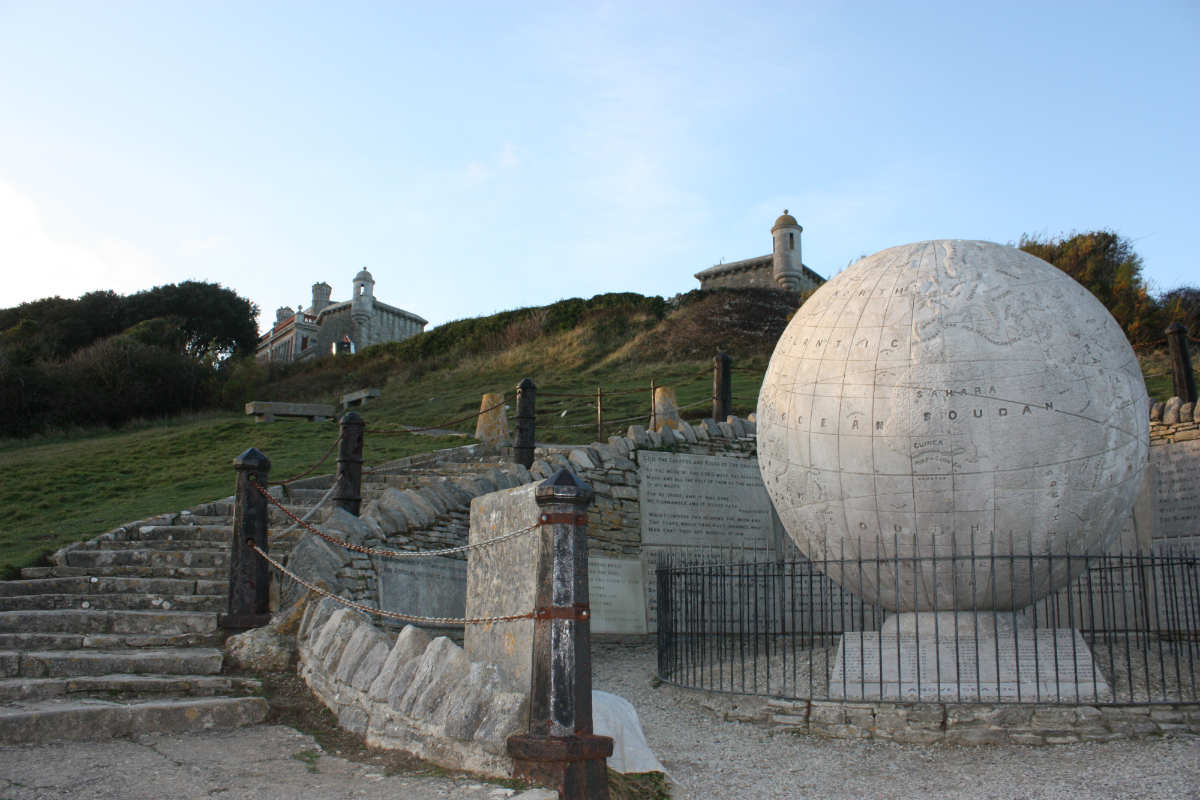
348, 494
526, 400
1182, 377
560, 750
249, 576
722, 386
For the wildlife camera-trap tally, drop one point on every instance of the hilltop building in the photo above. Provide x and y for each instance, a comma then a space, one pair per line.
327, 327
782, 269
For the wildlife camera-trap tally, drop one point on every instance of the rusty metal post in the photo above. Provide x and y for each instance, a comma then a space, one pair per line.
722, 386
1182, 377
526, 400
348, 494
560, 750
249, 576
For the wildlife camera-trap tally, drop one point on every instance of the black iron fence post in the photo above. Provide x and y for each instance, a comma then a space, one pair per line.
560, 750
722, 386
348, 494
249, 575
526, 400
1182, 377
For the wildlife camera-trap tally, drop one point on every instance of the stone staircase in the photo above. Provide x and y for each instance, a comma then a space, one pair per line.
120, 636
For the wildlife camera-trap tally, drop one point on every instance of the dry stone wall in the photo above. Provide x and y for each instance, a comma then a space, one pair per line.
1173, 421
611, 469
427, 507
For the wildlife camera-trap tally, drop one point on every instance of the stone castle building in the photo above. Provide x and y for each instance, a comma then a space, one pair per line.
782, 269
327, 327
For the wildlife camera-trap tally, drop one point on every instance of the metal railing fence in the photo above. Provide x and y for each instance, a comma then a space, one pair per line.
1126, 630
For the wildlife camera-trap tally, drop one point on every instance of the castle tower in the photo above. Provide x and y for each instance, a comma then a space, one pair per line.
362, 308
787, 268
320, 297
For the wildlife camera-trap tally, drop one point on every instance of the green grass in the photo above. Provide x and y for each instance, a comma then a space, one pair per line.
62, 491
76, 485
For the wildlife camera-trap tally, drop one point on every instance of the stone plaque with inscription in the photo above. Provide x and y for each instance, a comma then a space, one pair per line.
698, 504
424, 587
617, 594
1177, 490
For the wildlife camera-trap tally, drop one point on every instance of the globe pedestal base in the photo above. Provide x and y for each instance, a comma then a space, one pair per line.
948, 657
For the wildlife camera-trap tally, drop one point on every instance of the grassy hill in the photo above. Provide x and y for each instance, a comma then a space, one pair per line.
74, 485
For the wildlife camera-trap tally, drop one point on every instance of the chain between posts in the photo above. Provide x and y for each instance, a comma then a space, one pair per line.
311, 469
383, 612
324, 499
375, 551
438, 426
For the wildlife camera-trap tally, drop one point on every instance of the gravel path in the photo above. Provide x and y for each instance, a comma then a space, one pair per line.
708, 756
713, 758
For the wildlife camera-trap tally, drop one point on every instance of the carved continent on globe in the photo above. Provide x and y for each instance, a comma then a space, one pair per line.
949, 398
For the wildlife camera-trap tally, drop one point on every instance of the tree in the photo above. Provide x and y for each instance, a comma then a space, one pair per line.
216, 323
1107, 265
1183, 305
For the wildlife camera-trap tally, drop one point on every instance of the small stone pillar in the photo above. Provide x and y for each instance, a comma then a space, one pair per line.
526, 403
722, 386
1182, 377
348, 494
249, 575
492, 426
560, 750
666, 409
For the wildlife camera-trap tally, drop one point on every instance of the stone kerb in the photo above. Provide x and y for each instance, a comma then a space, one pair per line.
976, 724
410, 692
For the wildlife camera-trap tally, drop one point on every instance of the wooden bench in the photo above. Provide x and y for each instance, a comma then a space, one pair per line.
360, 398
267, 412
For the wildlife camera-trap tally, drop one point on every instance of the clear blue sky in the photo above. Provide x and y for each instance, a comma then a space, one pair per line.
481, 157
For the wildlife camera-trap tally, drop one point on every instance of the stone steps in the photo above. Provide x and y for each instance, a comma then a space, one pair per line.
144, 661
51, 640
141, 557
94, 585
127, 570
123, 622
51, 720
121, 600
26, 689
215, 533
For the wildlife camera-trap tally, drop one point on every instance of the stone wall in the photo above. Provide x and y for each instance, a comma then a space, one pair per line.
979, 723
611, 469
410, 692
1173, 421
427, 507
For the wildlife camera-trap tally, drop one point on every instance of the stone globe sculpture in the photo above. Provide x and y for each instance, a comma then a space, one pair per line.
947, 399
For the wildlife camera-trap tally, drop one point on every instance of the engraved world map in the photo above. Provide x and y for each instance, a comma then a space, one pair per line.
950, 397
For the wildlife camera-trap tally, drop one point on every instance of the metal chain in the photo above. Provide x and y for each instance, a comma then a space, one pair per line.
439, 425
308, 514
382, 612
375, 551
310, 470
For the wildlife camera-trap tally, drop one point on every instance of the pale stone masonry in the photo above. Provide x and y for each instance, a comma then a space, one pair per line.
327, 327
781, 269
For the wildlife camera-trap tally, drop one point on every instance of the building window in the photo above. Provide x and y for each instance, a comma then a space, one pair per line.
304, 343
791, 241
